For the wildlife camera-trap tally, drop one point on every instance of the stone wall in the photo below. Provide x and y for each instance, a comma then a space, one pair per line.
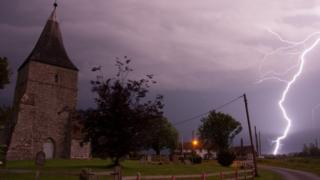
44, 97
78, 151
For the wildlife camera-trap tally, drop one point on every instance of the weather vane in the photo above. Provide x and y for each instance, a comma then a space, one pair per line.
55, 4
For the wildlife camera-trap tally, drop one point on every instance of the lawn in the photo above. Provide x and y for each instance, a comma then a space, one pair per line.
299, 163
129, 168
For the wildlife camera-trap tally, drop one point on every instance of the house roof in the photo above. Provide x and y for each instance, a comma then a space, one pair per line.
49, 48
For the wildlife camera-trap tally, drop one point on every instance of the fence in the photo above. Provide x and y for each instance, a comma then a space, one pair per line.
88, 174
237, 175
85, 174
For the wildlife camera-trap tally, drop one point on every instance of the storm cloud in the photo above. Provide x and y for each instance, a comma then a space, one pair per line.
202, 53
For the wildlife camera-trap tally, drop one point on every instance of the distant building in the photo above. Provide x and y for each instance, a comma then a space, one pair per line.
187, 148
243, 152
45, 101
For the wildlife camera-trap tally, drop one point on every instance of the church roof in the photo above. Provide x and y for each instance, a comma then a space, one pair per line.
49, 48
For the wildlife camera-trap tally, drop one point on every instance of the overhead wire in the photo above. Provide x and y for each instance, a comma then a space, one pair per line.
202, 114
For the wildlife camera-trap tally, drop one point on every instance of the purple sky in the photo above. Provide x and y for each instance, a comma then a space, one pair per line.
203, 53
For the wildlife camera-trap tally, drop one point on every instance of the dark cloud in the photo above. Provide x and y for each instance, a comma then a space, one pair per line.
202, 53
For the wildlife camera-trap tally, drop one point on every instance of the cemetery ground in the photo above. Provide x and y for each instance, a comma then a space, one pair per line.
59, 168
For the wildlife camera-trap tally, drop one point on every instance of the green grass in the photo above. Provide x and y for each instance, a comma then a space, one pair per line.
129, 168
299, 163
266, 174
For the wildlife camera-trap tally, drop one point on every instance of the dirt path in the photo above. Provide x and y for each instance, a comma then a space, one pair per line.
290, 174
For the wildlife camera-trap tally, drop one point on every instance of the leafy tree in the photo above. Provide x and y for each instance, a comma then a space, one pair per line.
218, 130
4, 72
124, 118
5, 113
164, 136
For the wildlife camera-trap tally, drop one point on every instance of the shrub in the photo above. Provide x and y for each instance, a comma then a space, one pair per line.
226, 157
2, 154
195, 158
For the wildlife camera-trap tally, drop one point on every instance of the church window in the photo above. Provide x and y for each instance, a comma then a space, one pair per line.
56, 78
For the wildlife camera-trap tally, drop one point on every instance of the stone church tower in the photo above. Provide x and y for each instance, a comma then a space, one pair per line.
45, 97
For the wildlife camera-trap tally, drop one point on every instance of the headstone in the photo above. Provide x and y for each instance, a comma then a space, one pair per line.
40, 159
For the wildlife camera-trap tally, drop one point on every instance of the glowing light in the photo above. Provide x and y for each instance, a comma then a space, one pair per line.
195, 142
274, 75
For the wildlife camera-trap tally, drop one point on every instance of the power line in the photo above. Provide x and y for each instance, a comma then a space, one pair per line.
215, 109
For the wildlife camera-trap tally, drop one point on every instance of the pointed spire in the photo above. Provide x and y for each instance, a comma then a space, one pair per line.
55, 4
53, 16
50, 49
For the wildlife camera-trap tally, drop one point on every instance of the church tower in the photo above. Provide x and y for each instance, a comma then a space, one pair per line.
45, 96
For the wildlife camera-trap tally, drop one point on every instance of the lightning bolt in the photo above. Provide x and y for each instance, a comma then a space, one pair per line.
289, 83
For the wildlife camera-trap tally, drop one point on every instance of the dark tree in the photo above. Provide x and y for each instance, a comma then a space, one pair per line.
5, 115
164, 136
218, 130
226, 157
4, 72
125, 117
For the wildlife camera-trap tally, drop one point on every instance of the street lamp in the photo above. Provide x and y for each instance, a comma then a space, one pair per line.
195, 142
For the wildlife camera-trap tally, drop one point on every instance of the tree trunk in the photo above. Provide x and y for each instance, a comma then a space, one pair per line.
116, 161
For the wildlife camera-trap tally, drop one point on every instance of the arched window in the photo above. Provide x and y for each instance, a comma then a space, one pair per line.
56, 78
49, 148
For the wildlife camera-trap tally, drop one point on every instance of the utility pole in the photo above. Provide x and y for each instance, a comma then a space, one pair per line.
260, 152
181, 144
241, 148
256, 137
250, 134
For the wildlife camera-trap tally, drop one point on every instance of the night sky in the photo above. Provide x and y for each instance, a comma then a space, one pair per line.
202, 53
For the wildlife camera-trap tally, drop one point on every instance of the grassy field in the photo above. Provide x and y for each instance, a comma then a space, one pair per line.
305, 164
129, 168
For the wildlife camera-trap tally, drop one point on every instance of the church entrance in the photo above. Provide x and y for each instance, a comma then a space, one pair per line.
48, 148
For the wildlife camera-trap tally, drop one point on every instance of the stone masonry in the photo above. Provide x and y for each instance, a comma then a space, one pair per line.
45, 101
42, 93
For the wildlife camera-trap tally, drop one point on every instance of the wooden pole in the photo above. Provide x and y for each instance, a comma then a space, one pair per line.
250, 134
138, 176
260, 151
181, 144
236, 174
221, 175
117, 173
203, 176
37, 177
256, 137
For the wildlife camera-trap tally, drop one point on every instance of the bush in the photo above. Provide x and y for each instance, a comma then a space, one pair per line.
2, 154
226, 157
195, 158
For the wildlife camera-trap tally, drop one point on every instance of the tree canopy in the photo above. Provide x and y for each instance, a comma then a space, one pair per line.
218, 130
4, 72
124, 117
164, 136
